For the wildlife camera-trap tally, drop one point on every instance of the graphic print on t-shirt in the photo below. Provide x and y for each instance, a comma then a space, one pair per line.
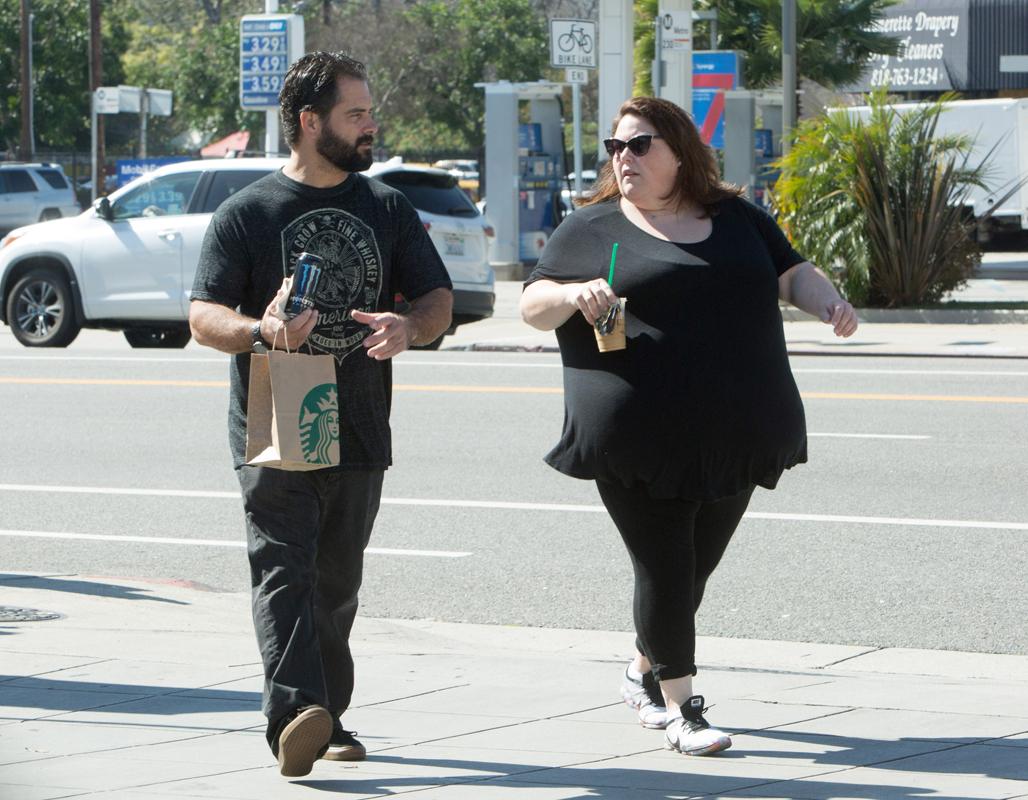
352, 278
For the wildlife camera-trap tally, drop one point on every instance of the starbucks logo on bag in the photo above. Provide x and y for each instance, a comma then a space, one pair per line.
319, 423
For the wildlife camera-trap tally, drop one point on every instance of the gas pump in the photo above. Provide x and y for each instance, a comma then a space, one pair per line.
524, 167
539, 184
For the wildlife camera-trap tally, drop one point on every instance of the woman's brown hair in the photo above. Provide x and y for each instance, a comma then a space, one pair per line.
699, 180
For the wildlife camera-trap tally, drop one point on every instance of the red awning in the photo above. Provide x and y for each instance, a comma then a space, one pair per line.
233, 143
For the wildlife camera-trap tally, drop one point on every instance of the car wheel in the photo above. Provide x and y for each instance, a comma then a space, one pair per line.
40, 310
158, 337
49, 214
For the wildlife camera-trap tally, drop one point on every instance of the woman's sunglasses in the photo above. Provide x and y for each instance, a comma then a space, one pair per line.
639, 145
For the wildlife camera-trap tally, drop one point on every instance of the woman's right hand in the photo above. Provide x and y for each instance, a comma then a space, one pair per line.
592, 298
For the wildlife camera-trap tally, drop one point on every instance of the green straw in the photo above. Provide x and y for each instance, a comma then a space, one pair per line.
613, 257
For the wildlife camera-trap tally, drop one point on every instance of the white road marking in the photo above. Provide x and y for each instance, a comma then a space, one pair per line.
38, 487
133, 359
97, 537
958, 372
516, 506
405, 362
911, 521
870, 435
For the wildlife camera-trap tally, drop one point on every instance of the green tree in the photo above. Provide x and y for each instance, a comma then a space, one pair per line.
644, 37
456, 44
834, 37
61, 69
879, 202
196, 55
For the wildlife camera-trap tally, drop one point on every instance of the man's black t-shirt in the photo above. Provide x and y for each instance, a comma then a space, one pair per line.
702, 403
375, 246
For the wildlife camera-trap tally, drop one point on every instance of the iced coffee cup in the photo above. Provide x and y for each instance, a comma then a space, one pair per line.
610, 328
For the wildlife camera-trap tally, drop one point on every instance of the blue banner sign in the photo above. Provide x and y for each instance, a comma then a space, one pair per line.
263, 61
713, 71
131, 168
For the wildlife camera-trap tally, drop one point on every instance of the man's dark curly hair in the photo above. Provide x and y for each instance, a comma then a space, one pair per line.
310, 85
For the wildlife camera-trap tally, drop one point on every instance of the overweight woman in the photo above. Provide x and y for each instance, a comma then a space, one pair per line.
698, 406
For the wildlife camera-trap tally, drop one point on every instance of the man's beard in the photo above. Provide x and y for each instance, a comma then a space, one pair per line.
343, 155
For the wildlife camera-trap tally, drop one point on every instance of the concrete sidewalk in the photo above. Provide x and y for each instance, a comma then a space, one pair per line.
153, 691
970, 332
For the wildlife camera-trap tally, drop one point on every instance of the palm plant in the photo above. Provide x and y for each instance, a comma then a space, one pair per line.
834, 37
881, 203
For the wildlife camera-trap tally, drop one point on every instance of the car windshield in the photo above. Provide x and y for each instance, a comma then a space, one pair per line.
433, 193
168, 194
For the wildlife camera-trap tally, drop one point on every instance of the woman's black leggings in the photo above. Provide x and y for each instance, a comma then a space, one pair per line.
675, 546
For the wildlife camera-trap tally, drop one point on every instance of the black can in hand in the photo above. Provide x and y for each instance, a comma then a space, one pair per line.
305, 282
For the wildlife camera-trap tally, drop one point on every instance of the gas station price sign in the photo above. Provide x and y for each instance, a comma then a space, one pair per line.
268, 44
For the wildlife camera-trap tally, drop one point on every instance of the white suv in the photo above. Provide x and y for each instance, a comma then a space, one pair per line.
128, 263
457, 229
34, 193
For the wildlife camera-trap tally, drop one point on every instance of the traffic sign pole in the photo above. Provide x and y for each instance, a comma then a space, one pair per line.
271, 132
658, 56
577, 111
92, 144
573, 45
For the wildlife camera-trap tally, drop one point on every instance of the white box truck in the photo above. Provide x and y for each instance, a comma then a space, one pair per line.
1000, 123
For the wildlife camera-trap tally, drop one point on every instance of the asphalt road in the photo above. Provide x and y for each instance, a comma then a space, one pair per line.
907, 528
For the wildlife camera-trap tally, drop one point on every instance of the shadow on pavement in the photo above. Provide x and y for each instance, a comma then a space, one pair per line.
94, 588
617, 783
949, 756
124, 698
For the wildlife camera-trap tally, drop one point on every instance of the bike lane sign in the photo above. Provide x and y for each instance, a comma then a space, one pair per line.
573, 43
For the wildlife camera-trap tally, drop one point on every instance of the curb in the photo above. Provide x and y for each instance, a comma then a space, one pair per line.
938, 316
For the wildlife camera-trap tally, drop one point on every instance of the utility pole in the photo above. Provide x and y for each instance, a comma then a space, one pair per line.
26, 146
788, 72
95, 81
271, 132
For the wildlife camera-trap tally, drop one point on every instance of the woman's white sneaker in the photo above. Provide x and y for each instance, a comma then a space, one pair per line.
692, 735
643, 694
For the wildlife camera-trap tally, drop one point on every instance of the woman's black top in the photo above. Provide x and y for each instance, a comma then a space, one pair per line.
702, 403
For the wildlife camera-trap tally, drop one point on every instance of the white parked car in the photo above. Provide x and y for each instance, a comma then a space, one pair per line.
458, 230
128, 263
34, 193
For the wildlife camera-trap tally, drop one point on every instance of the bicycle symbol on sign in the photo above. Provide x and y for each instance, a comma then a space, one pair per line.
576, 37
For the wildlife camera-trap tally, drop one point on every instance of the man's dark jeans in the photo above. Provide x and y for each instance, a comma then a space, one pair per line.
306, 534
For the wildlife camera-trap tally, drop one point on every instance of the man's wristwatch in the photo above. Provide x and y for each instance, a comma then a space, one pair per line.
257, 343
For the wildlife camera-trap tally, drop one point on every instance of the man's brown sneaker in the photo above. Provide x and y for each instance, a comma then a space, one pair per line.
343, 747
303, 740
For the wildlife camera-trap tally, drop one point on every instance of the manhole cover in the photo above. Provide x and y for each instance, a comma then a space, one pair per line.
12, 614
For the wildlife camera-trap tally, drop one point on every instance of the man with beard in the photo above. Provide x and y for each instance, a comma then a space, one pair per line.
306, 531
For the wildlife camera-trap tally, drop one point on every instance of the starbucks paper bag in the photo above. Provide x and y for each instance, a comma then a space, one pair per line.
292, 418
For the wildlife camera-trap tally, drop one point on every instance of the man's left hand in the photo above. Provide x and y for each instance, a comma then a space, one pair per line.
391, 333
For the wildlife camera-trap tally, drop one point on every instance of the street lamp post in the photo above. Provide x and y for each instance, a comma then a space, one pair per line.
27, 144
788, 72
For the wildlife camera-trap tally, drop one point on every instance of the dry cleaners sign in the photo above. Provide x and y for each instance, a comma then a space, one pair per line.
933, 47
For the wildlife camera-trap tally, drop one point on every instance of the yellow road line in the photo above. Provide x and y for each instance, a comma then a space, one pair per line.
415, 387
